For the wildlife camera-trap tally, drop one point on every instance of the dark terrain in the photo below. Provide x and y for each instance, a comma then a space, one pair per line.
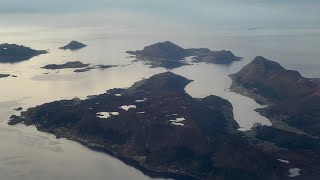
73, 45
168, 133
293, 108
292, 99
12, 53
168, 55
4, 75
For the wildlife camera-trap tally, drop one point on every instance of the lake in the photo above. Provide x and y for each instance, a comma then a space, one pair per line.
111, 28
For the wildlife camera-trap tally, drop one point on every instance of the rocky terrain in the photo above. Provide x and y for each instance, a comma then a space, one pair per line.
73, 45
12, 53
293, 108
169, 55
77, 65
292, 99
160, 129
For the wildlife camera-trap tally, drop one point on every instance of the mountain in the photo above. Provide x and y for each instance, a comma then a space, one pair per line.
12, 53
169, 55
160, 129
293, 99
73, 45
165, 50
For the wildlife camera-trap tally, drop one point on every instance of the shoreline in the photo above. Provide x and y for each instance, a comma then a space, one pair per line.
274, 119
126, 160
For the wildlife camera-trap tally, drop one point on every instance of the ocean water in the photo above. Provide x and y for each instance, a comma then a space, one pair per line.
273, 29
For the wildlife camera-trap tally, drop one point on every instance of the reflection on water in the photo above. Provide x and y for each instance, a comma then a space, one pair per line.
27, 154
30, 155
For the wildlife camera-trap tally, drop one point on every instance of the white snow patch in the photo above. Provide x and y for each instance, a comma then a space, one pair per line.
103, 115
106, 115
177, 124
283, 161
114, 113
178, 121
127, 107
294, 172
140, 100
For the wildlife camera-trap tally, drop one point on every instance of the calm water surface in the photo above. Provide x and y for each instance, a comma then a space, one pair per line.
109, 29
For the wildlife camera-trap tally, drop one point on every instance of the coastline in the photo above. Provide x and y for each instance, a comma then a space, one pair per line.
126, 160
276, 120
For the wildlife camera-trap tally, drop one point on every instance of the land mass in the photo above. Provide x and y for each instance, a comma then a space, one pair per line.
291, 98
160, 129
169, 55
12, 53
77, 65
293, 106
4, 75
7, 75
73, 45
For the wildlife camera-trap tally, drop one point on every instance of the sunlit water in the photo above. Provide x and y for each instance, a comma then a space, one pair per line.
27, 154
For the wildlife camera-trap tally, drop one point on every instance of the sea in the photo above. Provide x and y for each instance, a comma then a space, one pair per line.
284, 31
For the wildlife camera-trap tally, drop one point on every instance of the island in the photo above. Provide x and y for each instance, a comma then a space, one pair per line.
77, 65
73, 45
169, 55
67, 65
7, 75
13, 53
158, 128
4, 75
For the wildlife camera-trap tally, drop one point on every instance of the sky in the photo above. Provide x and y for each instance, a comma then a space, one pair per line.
246, 13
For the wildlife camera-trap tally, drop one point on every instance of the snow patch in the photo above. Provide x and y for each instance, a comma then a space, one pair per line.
127, 107
178, 121
283, 161
294, 172
140, 100
106, 115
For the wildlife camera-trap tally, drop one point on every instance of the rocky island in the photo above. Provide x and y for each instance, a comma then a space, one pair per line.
77, 65
160, 129
7, 75
12, 53
169, 55
4, 75
73, 45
